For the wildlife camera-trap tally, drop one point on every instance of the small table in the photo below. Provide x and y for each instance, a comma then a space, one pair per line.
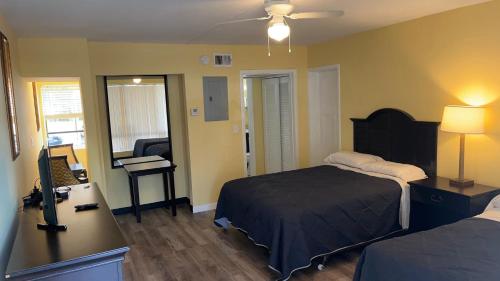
136, 160
77, 168
434, 202
79, 172
164, 167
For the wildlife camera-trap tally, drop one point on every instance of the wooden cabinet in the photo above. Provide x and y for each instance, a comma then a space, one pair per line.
434, 202
91, 249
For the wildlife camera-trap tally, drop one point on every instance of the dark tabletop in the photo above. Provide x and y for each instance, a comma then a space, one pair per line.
90, 234
135, 160
444, 184
149, 166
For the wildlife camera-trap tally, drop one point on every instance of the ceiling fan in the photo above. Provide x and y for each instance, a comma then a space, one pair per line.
278, 12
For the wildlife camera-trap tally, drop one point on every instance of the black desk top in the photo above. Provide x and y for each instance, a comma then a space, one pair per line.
135, 160
149, 166
91, 234
441, 183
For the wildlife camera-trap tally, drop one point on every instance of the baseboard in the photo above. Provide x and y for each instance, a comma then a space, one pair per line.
204, 208
149, 206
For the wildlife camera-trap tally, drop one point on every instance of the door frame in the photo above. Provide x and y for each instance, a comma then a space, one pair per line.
292, 73
251, 130
311, 87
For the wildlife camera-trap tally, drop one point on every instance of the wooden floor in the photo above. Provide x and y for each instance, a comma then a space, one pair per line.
190, 247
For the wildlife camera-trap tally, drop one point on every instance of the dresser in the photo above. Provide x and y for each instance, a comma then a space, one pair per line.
93, 247
434, 202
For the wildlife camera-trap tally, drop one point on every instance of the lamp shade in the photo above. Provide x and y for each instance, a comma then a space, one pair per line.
463, 119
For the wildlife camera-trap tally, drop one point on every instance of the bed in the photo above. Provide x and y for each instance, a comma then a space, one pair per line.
307, 213
468, 250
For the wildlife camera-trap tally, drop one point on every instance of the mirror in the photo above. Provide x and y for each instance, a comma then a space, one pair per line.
138, 117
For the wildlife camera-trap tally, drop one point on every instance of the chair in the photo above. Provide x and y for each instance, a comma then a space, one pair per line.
64, 149
61, 173
68, 151
141, 145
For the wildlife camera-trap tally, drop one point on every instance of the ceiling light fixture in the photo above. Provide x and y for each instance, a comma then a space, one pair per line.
278, 30
137, 80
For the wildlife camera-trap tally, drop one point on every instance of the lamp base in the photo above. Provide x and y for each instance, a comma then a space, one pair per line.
461, 182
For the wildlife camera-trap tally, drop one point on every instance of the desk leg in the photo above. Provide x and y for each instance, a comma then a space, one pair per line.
132, 200
137, 202
172, 193
165, 190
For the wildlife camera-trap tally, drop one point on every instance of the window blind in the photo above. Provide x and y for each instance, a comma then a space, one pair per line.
61, 99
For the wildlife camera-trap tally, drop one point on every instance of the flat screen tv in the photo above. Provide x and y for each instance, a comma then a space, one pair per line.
49, 198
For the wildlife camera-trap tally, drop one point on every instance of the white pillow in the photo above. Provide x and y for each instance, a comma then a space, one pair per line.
494, 203
351, 159
405, 172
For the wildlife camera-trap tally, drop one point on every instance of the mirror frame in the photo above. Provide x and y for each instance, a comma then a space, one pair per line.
110, 139
8, 86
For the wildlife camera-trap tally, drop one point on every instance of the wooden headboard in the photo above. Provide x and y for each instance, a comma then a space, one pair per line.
396, 136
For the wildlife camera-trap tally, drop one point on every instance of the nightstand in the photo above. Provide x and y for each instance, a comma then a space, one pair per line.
434, 202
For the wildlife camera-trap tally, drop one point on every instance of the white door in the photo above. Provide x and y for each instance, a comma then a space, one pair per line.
272, 125
324, 115
286, 122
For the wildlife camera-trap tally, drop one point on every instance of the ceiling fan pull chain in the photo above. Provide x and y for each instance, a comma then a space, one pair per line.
268, 47
289, 37
289, 44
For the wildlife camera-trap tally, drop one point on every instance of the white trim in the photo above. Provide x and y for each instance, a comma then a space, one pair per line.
292, 73
251, 130
204, 208
312, 88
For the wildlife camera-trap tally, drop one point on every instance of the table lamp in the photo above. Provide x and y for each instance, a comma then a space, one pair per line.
463, 120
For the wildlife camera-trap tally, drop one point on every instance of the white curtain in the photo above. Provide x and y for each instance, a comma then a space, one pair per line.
136, 112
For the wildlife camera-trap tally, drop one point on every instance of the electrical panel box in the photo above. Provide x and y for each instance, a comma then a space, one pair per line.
215, 98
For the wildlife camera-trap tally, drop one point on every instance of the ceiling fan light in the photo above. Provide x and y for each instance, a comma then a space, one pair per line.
278, 31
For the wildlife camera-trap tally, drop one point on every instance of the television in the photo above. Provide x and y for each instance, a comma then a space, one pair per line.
48, 194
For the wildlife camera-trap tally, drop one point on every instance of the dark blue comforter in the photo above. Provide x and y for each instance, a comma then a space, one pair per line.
468, 250
305, 213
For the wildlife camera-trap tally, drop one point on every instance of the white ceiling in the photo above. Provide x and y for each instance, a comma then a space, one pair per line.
192, 21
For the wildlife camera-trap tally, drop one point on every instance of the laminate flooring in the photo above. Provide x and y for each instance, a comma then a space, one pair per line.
191, 247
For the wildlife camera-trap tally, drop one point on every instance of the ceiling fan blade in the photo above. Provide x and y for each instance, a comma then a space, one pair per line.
315, 15
244, 20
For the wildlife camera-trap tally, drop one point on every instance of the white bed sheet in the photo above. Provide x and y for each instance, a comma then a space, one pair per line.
492, 211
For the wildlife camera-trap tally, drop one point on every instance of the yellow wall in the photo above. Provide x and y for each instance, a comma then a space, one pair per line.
420, 66
16, 177
215, 152
40, 59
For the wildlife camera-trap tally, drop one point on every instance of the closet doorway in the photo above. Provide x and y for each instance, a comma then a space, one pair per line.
324, 113
269, 122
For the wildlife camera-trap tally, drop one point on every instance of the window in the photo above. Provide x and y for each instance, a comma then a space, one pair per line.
63, 115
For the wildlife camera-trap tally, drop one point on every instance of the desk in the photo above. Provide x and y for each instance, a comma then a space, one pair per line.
92, 249
137, 160
166, 168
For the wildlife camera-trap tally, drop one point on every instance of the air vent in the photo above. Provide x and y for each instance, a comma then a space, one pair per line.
225, 60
